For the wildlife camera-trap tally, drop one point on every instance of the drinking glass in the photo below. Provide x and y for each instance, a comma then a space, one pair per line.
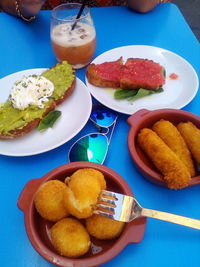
73, 40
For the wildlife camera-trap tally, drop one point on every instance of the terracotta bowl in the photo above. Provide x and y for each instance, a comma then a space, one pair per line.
38, 229
145, 118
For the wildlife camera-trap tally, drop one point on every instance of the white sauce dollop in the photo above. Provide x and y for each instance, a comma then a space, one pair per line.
31, 90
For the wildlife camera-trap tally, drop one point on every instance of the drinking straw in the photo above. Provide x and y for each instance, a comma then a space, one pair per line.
79, 13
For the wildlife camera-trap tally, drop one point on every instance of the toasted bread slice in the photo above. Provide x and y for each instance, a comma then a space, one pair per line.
106, 74
54, 101
142, 73
136, 73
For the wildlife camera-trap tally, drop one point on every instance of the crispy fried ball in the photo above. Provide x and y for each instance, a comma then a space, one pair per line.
175, 173
191, 135
49, 200
103, 228
171, 136
89, 172
84, 187
70, 238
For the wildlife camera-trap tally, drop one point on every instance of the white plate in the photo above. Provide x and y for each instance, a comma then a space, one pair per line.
75, 113
177, 93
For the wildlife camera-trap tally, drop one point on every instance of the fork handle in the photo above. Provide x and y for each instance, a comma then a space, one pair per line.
169, 217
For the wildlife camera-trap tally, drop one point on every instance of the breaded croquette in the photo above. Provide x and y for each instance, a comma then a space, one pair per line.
175, 173
103, 228
70, 238
172, 137
83, 189
49, 200
95, 174
191, 135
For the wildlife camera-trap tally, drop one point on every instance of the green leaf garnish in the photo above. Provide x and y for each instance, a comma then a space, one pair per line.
132, 95
163, 72
144, 92
140, 93
49, 120
124, 93
159, 90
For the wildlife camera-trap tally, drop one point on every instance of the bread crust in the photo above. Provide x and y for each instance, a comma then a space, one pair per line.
95, 78
34, 123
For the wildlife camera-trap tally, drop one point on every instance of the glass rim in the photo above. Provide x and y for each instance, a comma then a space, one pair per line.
67, 5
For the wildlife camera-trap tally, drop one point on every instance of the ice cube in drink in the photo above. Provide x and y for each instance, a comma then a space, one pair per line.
76, 46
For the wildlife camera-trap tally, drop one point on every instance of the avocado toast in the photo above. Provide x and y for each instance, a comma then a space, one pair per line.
15, 122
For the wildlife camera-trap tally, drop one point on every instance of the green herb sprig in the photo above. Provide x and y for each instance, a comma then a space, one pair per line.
49, 120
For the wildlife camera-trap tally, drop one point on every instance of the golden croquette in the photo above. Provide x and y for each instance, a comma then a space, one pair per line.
174, 171
172, 137
49, 200
89, 173
96, 174
191, 135
84, 187
70, 238
103, 228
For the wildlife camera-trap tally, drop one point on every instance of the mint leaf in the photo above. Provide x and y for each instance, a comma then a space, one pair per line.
49, 120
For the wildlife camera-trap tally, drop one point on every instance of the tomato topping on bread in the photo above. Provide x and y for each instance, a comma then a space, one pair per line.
105, 74
136, 73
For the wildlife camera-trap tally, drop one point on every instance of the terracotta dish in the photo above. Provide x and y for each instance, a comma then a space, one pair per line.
145, 118
101, 251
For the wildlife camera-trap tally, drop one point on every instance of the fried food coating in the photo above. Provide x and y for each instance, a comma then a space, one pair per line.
103, 228
49, 200
175, 173
84, 187
172, 137
191, 135
70, 238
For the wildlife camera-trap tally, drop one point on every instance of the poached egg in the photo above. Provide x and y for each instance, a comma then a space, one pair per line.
31, 90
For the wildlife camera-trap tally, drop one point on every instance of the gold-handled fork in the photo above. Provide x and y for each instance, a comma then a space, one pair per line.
126, 208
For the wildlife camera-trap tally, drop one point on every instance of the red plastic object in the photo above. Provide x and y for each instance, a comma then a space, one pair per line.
145, 118
101, 251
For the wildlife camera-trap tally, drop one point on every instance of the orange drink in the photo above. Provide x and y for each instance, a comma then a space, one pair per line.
74, 44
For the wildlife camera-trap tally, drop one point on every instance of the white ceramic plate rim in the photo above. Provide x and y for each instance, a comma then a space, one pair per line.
81, 102
177, 93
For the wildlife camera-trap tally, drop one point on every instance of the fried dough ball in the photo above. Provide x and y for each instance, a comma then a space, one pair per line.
191, 135
103, 228
49, 200
70, 238
172, 137
84, 187
175, 173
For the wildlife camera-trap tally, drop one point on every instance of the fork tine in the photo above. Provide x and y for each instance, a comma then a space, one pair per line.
107, 200
108, 193
111, 205
106, 208
103, 213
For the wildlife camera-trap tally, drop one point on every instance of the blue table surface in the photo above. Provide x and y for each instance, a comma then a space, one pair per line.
25, 46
